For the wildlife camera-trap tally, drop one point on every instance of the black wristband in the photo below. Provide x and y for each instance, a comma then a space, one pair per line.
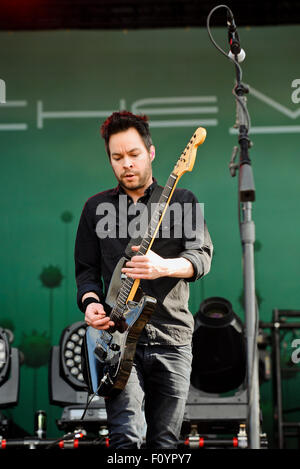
88, 301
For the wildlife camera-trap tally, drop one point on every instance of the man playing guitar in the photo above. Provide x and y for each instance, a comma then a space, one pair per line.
159, 380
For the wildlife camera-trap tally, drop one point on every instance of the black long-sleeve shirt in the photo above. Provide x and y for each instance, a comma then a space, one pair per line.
99, 247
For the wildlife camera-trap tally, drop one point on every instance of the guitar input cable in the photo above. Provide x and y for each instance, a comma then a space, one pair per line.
79, 433
89, 400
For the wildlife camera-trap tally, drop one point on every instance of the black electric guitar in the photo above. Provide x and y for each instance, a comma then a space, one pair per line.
108, 354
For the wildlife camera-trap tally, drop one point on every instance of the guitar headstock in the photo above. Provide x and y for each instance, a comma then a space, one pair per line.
188, 156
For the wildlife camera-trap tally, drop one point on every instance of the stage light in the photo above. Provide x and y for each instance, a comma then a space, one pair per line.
71, 353
219, 348
66, 382
4, 362
9, 370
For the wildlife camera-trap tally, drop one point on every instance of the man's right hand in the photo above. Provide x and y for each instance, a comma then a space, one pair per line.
95, 316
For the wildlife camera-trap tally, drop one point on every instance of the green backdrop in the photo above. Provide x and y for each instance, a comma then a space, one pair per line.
59, 87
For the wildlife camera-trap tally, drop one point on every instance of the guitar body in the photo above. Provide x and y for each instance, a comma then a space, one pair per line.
110, 354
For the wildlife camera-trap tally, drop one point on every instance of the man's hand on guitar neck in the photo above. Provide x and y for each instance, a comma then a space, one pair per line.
152, 266
95, 315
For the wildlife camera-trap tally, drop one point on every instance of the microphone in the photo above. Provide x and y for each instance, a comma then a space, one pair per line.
236, 52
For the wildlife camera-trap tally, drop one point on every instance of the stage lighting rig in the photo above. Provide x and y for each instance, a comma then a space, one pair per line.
9, 370
71, 354
218, 396
66, 382
219, 347
67, 385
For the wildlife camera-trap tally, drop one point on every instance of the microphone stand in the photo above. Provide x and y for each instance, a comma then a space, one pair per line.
246, 195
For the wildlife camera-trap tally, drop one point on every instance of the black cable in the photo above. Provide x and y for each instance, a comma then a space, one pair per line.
89, 400
68, 436
71, 435
235, 62
214, 42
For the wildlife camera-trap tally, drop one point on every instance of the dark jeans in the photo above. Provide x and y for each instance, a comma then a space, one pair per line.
157, 390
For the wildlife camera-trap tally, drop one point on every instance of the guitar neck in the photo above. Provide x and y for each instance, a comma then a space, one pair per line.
158, 215
130, 285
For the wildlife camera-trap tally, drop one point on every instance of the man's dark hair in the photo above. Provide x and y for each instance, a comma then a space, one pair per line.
124, 120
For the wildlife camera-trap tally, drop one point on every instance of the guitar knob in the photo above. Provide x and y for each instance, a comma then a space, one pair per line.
114, 347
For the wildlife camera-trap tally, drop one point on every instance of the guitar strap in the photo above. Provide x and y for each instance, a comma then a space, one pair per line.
116, 279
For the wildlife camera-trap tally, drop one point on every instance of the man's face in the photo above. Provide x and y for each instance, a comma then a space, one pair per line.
130, 160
